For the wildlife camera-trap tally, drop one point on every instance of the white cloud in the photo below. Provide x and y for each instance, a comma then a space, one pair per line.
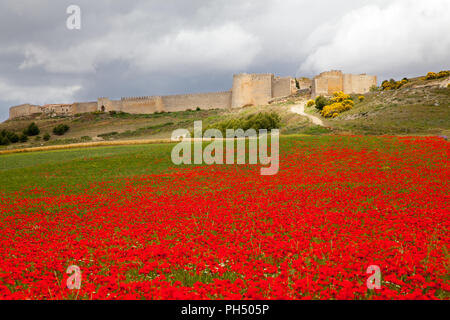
402, 37
224, 47
37, 94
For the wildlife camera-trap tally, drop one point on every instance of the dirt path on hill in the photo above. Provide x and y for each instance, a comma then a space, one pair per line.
300, 109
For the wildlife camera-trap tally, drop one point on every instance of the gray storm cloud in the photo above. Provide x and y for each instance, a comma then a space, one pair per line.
139, 47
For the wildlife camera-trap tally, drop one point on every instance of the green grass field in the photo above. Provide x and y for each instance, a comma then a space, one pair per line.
77, 168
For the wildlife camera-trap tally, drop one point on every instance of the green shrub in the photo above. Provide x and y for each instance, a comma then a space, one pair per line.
60, 129
46, 137
321, 102
198, 109
23, 137
258, 121
4, 141
11, 136
32, 130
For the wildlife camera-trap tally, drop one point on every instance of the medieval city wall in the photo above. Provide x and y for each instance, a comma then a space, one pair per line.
251, 89
204, 101
282, 87
141, 105
248, 89
57, 109
84, 107
329, 82
106, 105
23, 110
358, 83
304, 83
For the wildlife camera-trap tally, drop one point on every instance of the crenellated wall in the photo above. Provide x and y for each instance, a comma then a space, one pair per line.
141, 105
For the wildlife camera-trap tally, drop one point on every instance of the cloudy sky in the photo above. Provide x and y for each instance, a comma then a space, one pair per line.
152, 47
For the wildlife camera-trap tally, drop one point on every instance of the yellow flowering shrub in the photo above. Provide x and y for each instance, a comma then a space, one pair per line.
439, 75
392, 84
361, 98
340, 102
336, 108
340, 97
310, 103
431, 76
443, 74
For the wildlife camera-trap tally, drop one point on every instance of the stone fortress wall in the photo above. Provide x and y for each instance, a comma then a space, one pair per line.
23, 110
247, 89
329, 82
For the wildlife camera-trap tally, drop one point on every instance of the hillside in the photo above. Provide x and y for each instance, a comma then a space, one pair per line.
418, 111
419, 107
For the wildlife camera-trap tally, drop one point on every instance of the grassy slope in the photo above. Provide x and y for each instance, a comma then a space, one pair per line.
417, 111
84, 127
157, 126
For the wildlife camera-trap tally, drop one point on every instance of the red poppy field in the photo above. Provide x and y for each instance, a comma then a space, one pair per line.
141, 228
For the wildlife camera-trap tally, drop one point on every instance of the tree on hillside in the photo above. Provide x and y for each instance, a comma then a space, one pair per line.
32, 130
60, 129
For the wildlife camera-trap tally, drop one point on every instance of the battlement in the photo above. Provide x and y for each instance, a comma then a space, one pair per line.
139, 98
